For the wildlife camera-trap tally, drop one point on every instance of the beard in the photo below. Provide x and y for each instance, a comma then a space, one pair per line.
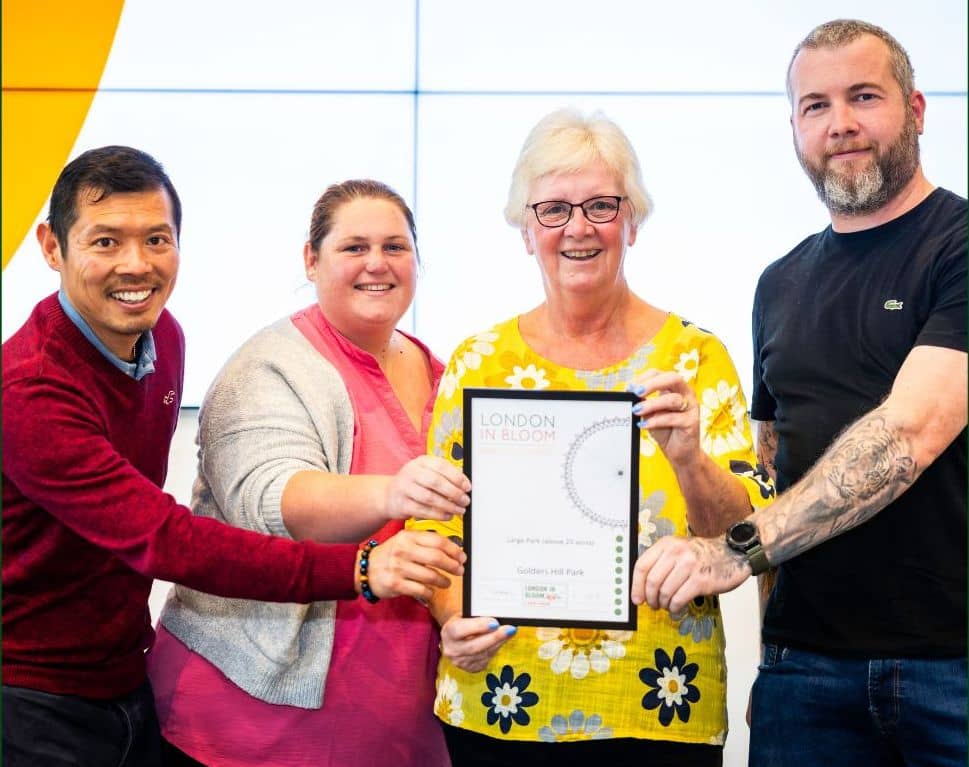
859, 192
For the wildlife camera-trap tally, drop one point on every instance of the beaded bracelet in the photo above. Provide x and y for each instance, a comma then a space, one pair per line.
365, 590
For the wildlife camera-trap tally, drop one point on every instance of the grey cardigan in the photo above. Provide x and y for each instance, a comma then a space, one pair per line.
277, 407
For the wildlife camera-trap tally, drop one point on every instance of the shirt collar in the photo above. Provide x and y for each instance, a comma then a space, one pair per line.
145, 357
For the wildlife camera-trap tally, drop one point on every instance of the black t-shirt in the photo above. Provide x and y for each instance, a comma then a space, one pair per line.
832, 323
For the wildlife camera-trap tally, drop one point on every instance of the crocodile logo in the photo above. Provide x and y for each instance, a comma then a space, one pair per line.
893, 304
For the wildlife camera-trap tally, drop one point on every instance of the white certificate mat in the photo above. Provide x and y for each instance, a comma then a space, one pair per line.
552, 527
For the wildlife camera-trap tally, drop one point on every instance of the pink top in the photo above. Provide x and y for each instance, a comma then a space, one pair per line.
379, 696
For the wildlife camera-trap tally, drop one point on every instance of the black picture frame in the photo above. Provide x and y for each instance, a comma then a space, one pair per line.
630, 530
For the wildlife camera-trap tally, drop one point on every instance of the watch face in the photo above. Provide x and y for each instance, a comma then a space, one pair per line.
742, 533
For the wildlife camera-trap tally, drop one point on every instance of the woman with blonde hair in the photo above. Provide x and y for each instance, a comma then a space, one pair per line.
656, 696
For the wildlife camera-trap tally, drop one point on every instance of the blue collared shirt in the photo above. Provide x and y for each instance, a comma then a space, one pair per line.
142, 366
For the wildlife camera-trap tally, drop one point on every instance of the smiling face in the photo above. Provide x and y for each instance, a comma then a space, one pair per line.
365, 270
580, 257
119, 264
855, 134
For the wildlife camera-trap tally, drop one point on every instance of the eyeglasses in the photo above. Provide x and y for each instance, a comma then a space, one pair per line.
598, 210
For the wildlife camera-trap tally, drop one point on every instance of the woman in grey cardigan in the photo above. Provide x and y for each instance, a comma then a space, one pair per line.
316, 428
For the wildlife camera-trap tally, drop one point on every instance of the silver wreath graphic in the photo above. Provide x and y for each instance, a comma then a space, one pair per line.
587, 465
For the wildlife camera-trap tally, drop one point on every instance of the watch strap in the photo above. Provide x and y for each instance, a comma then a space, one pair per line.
757, 558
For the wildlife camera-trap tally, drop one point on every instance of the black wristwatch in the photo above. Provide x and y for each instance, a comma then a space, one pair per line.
743, 538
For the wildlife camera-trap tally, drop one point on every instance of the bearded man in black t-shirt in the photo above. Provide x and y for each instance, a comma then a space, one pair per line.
860, 397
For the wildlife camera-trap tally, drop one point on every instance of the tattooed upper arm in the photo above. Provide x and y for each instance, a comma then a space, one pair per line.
767, 447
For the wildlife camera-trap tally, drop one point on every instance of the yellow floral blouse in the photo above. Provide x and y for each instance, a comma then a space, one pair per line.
665, 681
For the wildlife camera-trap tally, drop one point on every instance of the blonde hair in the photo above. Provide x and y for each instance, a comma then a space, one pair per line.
566, 141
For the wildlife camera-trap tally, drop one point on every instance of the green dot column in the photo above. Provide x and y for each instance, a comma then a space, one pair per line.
620, 549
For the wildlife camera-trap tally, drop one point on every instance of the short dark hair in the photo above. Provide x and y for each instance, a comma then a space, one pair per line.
337, 194
104, 172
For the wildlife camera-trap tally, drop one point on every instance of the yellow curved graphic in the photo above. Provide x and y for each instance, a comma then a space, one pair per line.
54, 52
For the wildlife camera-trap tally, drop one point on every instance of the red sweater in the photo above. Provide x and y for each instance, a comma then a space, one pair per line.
86, 525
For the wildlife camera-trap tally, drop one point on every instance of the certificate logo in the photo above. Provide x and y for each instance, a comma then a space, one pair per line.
521, 427
545, 595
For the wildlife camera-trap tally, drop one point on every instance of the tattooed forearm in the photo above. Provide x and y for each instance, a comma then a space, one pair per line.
866, 468
862, 466
767, 447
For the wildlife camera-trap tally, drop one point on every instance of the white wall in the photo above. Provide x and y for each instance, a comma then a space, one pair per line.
739, 609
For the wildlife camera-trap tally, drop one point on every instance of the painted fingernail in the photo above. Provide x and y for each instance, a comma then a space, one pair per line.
493, 625
511, 630
638, 408
642, 424
636, 389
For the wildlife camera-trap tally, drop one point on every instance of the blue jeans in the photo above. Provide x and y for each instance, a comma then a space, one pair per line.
809, 709
41, 729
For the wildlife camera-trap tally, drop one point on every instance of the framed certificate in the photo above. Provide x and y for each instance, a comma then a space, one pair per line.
551, 532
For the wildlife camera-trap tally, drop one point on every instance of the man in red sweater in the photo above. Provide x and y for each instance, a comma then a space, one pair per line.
91, 389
